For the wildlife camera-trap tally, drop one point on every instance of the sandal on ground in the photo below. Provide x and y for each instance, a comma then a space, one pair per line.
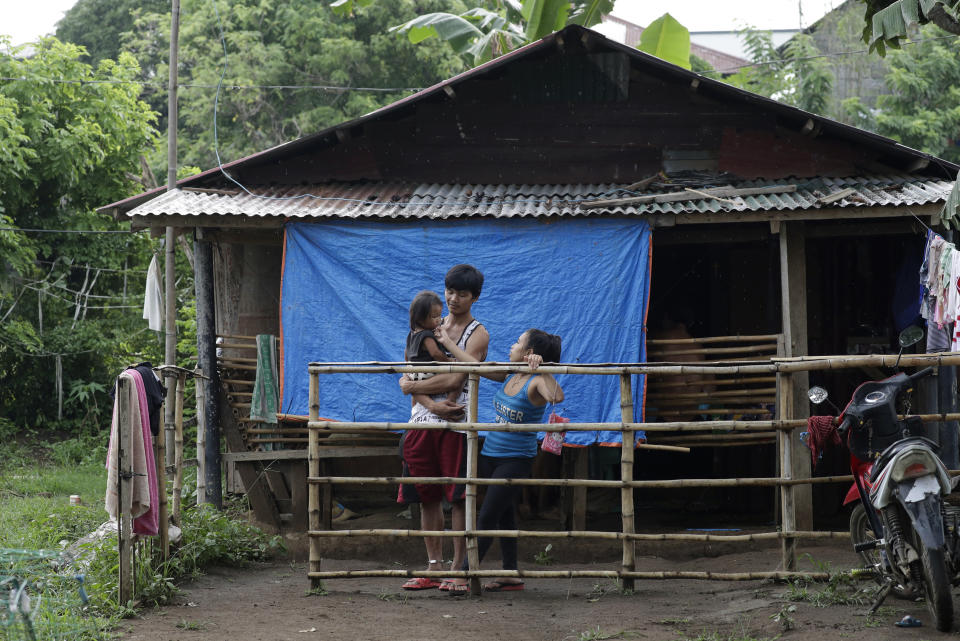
457, 589
502, 586
421, 583
445, 585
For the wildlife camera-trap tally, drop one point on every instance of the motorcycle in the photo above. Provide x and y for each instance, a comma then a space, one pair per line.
901, 527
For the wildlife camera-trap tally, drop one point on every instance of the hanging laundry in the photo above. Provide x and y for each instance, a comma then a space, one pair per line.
940, 298
143, 500
155, 391
153, 297
266, 395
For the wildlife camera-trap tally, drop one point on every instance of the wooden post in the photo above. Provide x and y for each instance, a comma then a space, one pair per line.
313, 465
203, 282
123, 453
201, 441
178, 449
788, 519
159, 452
626, 474
793, 293
473, 554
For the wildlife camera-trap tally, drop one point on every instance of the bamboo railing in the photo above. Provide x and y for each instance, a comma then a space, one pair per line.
781, 430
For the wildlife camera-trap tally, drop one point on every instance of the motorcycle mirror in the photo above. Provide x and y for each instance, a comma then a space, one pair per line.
817, 395
910, 336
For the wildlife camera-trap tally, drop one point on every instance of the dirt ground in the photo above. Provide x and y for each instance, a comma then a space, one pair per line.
271, 601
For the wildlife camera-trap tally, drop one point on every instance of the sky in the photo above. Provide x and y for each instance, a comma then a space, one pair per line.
26, 21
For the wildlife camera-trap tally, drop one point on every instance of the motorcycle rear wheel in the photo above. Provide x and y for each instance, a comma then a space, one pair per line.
936, 585
861, 532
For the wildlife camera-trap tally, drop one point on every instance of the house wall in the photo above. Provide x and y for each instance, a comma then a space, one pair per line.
581, 118
247, 282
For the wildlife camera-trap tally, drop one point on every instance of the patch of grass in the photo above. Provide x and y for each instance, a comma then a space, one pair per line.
183, 624
320, 590
596, 634
841, 589
674, 621
731, 636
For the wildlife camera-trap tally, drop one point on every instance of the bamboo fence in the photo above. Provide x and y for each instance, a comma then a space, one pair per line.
780, 430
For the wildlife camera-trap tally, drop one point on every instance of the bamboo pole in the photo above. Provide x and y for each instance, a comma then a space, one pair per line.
237, 337
626, 475
701, 426
473, 553
230, 366
664, 484
124, 463
714, 339
159, 452
706, 351
574, 574
238, 345
313, 490
225, 360
665, 382
581, 534
771, 365
201, 443
787, 505
766, 391
238, 381
178, 448
747, 436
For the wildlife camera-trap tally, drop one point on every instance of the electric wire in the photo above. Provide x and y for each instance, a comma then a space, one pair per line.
347, 89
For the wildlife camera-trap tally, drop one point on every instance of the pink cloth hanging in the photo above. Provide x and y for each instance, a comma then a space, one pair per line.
143, 503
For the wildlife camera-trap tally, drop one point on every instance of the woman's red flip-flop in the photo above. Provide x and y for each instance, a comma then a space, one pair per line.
421, 583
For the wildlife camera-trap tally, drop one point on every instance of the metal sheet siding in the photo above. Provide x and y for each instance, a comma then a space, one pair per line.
438, 201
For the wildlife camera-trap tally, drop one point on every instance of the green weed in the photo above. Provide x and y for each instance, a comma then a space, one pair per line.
785, 617
543, 556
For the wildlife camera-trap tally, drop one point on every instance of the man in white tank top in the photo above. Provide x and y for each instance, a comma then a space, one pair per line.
442, 453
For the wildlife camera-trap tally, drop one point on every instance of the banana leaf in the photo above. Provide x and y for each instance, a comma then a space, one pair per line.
668, 40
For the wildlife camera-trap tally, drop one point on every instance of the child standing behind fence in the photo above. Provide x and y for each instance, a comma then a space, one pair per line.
522, 398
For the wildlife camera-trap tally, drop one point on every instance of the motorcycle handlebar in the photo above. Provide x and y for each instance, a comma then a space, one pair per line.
926, 371
844, 426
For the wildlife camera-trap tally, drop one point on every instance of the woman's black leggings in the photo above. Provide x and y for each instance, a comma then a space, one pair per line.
497, 511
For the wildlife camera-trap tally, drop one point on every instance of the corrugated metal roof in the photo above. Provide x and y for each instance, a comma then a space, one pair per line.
405, 200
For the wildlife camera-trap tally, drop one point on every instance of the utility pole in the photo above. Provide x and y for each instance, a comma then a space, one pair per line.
170, 325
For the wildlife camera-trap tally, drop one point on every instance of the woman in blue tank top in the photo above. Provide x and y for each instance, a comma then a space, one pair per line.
521, 399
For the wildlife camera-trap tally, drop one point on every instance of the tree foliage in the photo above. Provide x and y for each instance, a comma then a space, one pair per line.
97, 25
889, 22
65, 148
922, 109
282, 43
495, 27
792, 74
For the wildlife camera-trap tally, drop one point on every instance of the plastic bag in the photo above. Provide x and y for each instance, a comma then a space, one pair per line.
553, 441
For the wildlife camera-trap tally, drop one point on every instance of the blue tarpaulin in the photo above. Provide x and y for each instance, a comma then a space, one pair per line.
347, 286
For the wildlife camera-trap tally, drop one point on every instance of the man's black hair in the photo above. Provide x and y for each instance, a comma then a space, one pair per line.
464, 277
